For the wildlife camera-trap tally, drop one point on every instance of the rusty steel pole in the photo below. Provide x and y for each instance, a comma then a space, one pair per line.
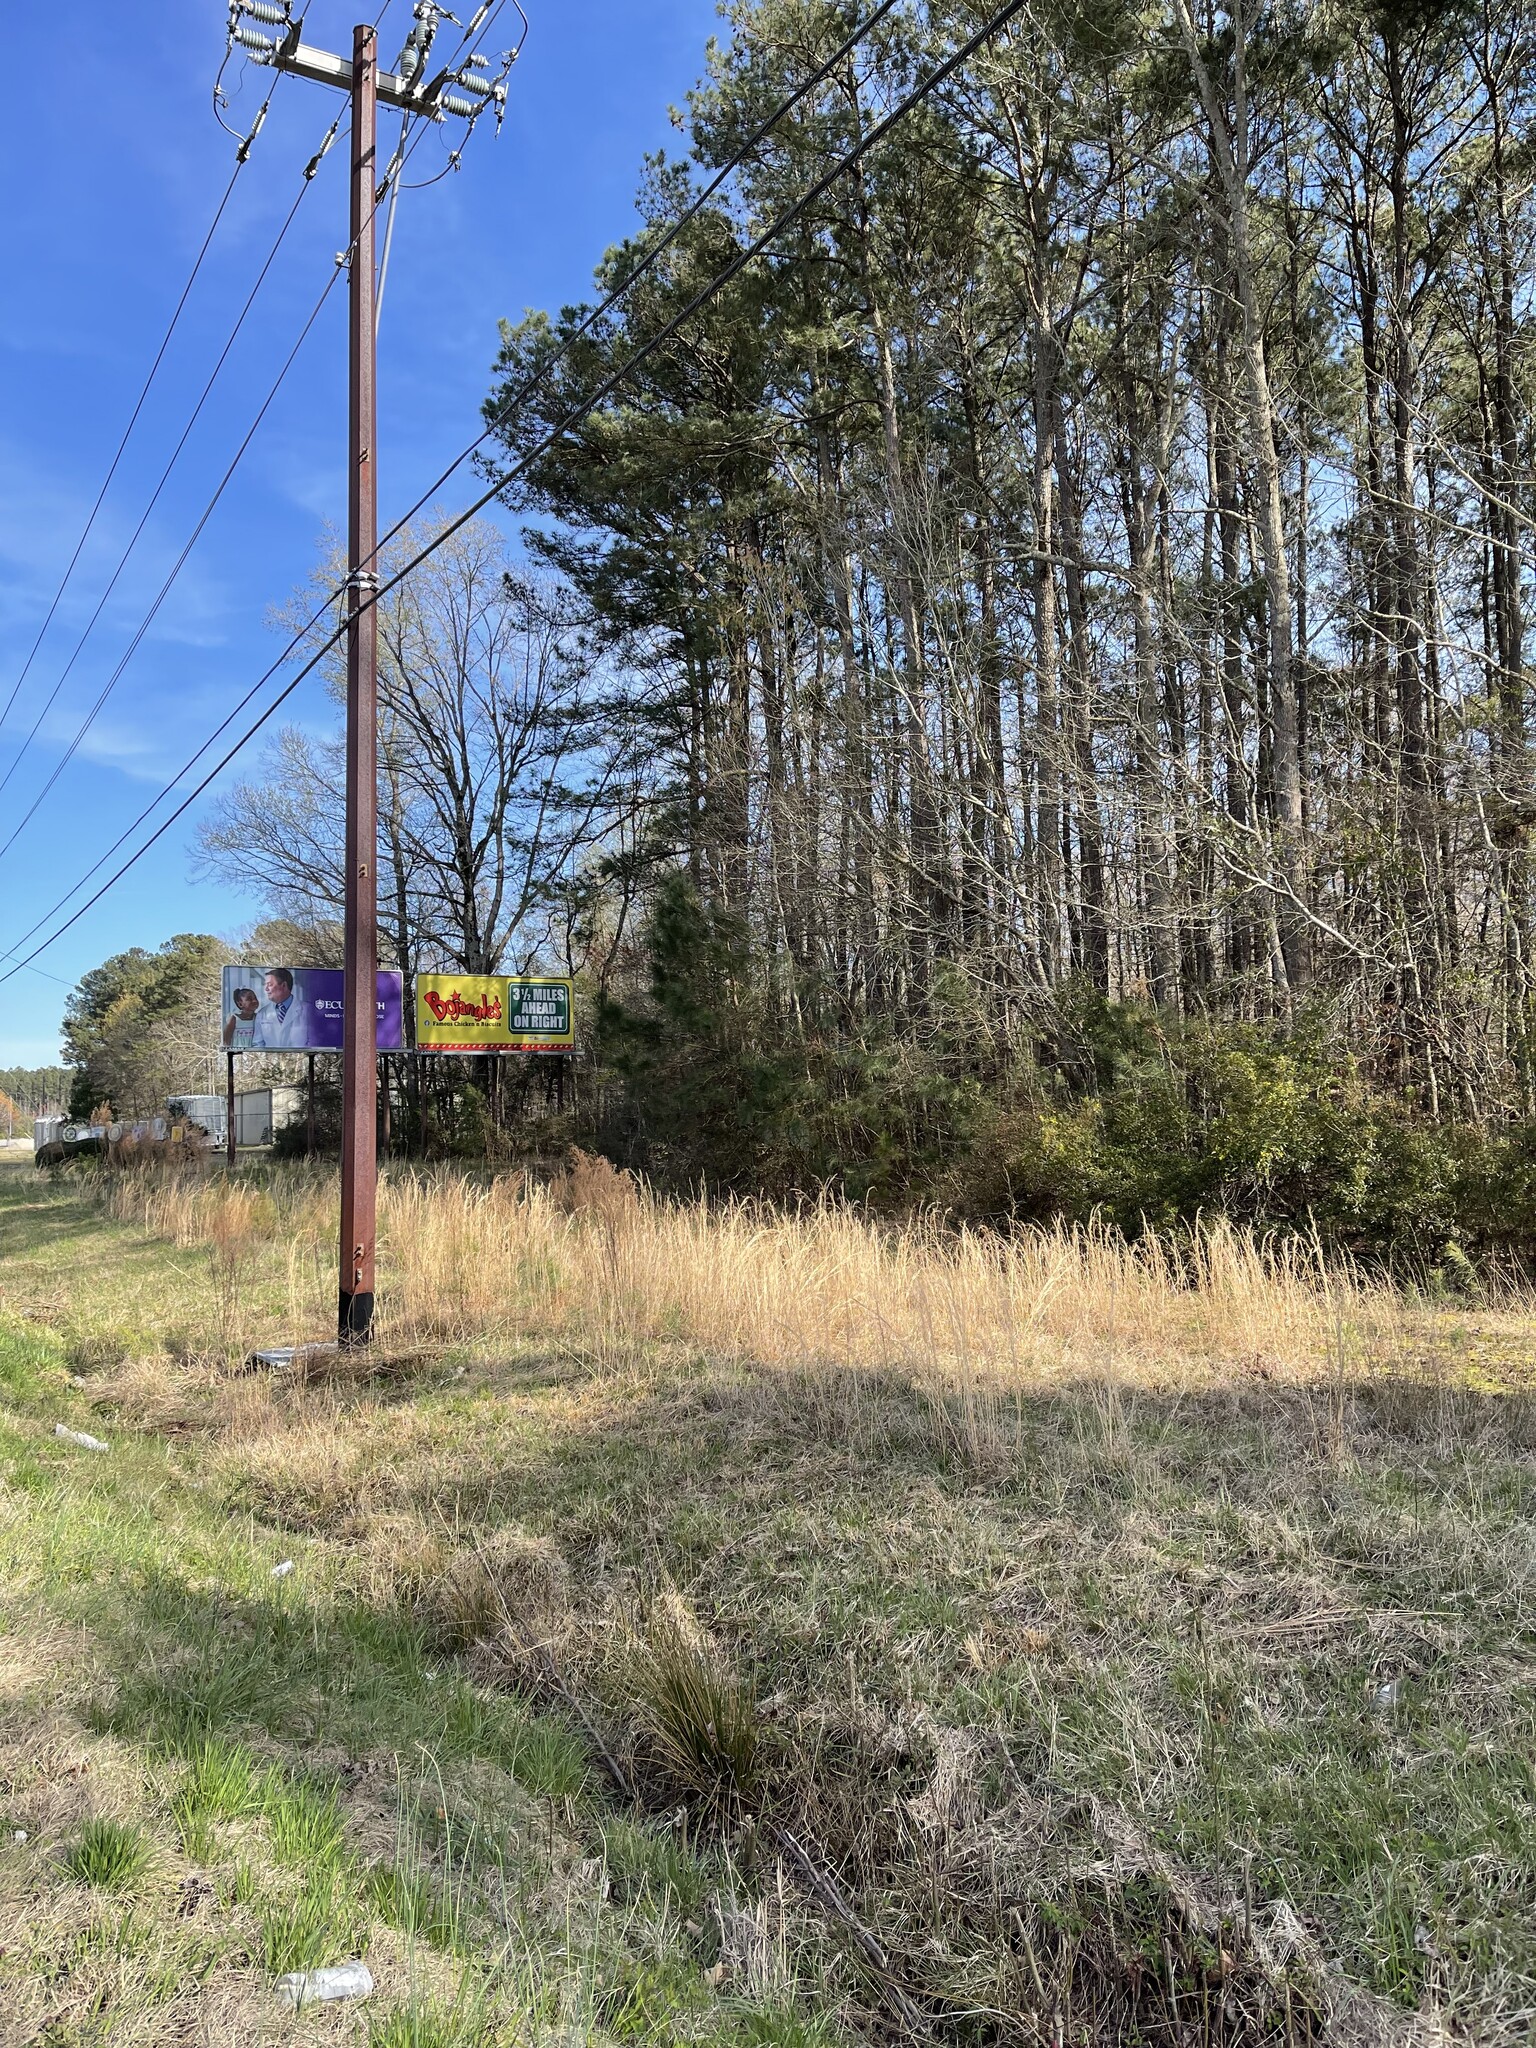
359, 1112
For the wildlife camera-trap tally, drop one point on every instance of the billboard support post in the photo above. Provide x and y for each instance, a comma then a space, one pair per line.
359, 1116
309, 1128
229, 1113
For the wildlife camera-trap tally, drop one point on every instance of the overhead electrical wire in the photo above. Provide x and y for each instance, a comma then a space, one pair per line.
390, 184
242, 158
659, 248
937, 77
176, 568
648, 262
165, 474
393, 175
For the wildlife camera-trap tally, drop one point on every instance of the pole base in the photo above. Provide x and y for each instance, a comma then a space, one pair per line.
354, 1320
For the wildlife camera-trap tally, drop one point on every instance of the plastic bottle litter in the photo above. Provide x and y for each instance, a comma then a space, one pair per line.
80, 1439
281, 1571
1388, 1696
318, 1987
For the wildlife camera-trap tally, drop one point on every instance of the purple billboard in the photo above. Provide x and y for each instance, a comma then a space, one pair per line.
299, 1009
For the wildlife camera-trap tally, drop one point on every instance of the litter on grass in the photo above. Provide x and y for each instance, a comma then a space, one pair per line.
281, 1571
79, 1438
318, 1987
287, 1356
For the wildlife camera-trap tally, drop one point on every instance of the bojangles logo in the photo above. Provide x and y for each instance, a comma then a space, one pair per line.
454, 1009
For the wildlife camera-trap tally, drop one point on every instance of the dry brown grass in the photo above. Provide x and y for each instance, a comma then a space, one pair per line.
1049, 1580
599, 1264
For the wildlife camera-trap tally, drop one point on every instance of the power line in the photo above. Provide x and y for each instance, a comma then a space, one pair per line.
394, 177
605, 390
657, 250
648, 262
392, 180
390, 183
939, 76
176, 568
651, 258
165, 474
133, 420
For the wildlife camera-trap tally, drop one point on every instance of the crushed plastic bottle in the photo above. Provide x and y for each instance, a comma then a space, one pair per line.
79, 1438
281, 1571
319, 1987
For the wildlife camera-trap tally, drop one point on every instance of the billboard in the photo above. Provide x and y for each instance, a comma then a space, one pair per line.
299, 1009
493, 1013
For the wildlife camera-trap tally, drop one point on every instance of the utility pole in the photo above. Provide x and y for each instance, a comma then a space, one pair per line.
466, 92
359, 1056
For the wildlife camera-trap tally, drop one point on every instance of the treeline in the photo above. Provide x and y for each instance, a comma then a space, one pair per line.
1024, 699
143, 1026
36, 1091
1092, 551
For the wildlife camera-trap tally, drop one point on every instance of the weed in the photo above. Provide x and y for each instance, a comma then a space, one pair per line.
783, 2026
644, 1859
110, 1855
508, 1579
700, 1714
195, 1828
226, 1781
410, 1903
304, 1823
644, 2000
240, 1890
427, 2024
321, 1924
545, 1759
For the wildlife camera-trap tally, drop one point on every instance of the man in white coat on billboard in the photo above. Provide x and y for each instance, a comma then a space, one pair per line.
284, 1022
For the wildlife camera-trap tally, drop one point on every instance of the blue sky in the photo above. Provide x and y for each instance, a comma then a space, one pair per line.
111, 186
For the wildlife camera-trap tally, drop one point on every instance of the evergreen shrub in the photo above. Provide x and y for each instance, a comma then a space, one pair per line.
1114, 1113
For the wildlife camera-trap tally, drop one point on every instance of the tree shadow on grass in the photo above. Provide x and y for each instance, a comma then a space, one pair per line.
1229, 1576
814, 1518
326, 1684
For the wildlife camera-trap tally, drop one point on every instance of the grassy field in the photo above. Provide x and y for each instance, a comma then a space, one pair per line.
721, 1626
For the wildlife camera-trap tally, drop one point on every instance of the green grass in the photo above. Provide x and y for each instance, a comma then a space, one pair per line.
410, 1901
110, 1855
304, 1825
266, 1738
1026, 1708
225, 1782
325, 1923
426, 2023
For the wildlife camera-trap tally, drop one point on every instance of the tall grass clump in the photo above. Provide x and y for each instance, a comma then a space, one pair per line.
109, 1855
598, 1262
699, 1714
824, 1286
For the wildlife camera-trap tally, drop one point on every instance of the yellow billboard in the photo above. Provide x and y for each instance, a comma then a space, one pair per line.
493, 1013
